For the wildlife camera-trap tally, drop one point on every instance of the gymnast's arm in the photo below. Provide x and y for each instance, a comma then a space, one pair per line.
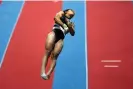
58, 20
71, 27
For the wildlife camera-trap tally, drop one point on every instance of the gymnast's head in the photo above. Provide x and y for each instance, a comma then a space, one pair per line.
69, 13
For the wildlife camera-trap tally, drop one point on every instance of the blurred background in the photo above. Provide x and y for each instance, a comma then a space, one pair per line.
99, 56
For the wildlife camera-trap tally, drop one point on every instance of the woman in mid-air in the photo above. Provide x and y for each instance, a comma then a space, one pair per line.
54, 41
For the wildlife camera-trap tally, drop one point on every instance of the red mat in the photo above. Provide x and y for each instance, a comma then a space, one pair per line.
22, 63
110, 37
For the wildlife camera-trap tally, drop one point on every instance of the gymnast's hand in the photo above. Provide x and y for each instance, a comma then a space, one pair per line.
71, 27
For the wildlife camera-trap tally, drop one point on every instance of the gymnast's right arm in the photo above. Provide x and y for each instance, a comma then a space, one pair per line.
58, 20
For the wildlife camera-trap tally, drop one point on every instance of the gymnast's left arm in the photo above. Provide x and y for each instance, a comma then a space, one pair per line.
71, 28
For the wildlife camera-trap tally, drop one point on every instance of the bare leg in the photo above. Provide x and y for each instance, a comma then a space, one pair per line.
55, 53
50, 42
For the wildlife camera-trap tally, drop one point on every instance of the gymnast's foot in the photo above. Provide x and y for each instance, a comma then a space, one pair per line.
44, 76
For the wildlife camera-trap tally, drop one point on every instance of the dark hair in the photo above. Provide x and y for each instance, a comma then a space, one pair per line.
68, 10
